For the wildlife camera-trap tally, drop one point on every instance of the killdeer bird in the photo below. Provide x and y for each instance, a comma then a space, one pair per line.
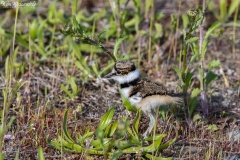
142, 92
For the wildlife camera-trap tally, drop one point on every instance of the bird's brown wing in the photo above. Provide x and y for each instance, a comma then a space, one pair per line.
147, 87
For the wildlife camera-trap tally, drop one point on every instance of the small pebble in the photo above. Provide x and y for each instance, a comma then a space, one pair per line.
230, 92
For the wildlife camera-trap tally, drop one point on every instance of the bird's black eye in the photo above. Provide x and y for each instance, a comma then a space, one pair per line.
118, 72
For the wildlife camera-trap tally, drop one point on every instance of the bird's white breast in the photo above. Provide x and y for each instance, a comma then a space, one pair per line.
133, 99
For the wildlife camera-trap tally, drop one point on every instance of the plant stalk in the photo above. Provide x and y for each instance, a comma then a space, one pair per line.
202, 84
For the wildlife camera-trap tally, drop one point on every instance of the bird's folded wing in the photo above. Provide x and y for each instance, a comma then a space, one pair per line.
147, 87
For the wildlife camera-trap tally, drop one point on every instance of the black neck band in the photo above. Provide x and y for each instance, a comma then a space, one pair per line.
125, 85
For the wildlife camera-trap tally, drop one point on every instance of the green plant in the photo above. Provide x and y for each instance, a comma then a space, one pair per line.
71, 82
195, 18
111, 139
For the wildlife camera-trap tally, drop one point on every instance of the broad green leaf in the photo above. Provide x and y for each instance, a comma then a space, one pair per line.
188, 79
185, 21
40, 154
113, 128
223, 9
40, 34
191, 40
195, 92
106, 119
213, 64
233, 6
65, 130
193, 103
210, 77
33, 29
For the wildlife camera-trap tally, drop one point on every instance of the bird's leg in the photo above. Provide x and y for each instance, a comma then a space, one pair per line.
152, 117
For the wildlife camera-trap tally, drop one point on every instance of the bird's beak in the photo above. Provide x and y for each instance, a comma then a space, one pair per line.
109, 75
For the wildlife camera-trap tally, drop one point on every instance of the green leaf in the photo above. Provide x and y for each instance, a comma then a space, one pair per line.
16, 156
188, 79
85, 136
137, 5
223, 9
39, 50
155, 145
159, 29
113, 128
193, 103
77, 26
233, 6
195, 92
193, 58
191, 40
210, 77
67, 91
213, 64
73, 85
136, 122
65, 130
33, 29
22, 41
106, 119
196, 117
116, 46
179, 73
127, 103
116, 155
185, 20
214, 26
40, 154
212, 127
169, 143
123, 144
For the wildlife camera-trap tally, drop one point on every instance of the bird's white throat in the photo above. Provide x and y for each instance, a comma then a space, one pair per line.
131, 76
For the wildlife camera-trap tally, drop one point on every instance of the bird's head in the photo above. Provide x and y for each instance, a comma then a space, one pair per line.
124, 71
